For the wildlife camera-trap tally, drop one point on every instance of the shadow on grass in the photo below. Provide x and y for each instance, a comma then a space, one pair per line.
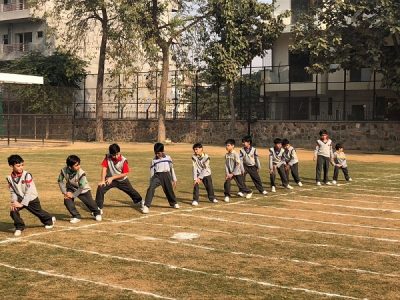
6, 226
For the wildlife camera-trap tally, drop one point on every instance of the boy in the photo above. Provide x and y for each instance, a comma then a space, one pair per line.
323, 155
201, 174
73, 184
114, 175
339, 161
277, 163
24, 195
292, 162
161, 173
251, 163
233, 170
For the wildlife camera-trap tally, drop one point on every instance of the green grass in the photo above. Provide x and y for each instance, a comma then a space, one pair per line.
309, 243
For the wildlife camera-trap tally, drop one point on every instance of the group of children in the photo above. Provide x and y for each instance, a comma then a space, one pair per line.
114, 174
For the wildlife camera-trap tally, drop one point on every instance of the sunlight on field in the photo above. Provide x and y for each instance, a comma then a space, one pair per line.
309, 243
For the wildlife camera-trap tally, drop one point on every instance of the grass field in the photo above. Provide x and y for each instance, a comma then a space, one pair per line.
309, 243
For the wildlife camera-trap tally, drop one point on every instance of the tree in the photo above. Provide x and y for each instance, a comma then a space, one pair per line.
352, 34
62, 74
238, 31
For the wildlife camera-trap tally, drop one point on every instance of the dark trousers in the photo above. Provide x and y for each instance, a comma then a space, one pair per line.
34, 208
255, 177
239, 179
207, 181
124, 186
282, 174
345, 173
87, 199
295, 173
322, 163
164, 179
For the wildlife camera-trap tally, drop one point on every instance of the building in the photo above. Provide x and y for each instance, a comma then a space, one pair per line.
292, 93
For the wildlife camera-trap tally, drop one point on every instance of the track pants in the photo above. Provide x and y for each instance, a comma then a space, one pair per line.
35, 208
255, 177
239, 179
124, 186
87, 199
207, 181
282, 174
322, 163
164, 179
295, 173
345, 173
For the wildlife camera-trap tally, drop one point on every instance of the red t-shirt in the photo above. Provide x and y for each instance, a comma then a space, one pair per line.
125, 167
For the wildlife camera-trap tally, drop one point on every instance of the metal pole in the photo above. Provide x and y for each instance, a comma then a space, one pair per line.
35, 124
316, 93
119, 97
265, 98
73, 125
290, 95
249, 102
218, 100
156, 94
176, 93
344, 95
197, 94
240, 92
137, 95
374, 104
84, 96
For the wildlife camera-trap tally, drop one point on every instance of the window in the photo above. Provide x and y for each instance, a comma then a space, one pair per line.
5, 39
355, 75
40, 34
298, 62
315, 106
330, 107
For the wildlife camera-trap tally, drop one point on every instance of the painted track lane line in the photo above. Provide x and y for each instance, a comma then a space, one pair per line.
84, 280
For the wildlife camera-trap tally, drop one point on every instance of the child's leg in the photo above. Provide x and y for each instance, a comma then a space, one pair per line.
282, 175
127, 187
318, 169
295, 172
35, 208
87, 199
70, 205
346, 173
196, 192
326, 169
255, 177
207, 181
227, 187
166, 183
239, 179
336, 173
154, 183
18, 222
272, 177
101, 191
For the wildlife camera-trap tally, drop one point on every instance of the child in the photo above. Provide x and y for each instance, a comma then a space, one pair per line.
277, 163
233, 170
73, 184
161, 173
251, 163
24, 195
201, 174
323, 155
114, 175
339, 161
292, 162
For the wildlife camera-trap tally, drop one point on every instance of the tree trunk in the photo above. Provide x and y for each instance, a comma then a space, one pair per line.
162, 103
100, 79
232, 110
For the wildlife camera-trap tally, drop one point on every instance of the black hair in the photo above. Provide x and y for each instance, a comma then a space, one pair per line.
197, 145
230, 141
338, 146
113, 149
285, 142
15, 159
277, 141
247, 138
323, 131
158, 147
72, 160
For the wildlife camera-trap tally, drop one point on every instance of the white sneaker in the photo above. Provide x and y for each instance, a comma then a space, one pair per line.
318, 183
226, 199
248, 196
328, 183
17, 232
350, 179
273, 189
74, 220
138, 204
145, 209
195, 203
289, 187
299, 183
101, 210
334, 182
214, 201
240, 194
264, 192
99, 218
52, 225
176, 205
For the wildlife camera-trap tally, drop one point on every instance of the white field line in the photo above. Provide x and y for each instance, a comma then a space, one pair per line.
270, 238
84, 280
294, 229
238, 253
349, 200
303, 220
174, 267
371, 195
384, 191
321, 212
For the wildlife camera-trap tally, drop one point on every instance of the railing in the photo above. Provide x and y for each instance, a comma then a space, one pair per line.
20, 48
13, 6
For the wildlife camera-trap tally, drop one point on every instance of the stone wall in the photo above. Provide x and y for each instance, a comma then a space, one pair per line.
368, 136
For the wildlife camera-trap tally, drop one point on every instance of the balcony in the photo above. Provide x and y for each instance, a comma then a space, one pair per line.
14, 11
13, 51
